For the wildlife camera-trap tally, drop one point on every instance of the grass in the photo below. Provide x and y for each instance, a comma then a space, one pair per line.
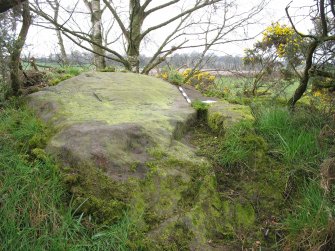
285, 143
234, 86
293, 140
35, 211
32, 214
122, 236
292, 135
311, 225
239, 144
60, 74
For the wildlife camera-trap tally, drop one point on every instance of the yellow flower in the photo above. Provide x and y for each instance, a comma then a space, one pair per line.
164, 75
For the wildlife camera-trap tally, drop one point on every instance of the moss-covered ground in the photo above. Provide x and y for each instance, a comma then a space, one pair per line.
248, 182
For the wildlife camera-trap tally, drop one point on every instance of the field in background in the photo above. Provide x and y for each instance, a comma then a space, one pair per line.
236, 85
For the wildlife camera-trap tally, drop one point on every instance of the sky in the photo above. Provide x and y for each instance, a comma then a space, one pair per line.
42, 42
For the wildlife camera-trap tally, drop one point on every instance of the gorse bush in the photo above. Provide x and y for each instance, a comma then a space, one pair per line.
172, 75
198, 77
202, 81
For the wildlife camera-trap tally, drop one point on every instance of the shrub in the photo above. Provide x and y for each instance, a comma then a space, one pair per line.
172, 75
60, 74
202, 81
109, 69
201, 109
4, 90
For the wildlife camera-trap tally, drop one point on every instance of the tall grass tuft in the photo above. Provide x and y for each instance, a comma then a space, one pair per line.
34, 211
311, 225
293, 135
60, 74
239, 145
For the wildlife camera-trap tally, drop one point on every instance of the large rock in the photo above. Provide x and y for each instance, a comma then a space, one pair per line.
109, 120
223, 115
116, 144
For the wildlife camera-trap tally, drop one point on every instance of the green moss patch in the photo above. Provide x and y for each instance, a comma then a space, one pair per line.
222, 115
249, 184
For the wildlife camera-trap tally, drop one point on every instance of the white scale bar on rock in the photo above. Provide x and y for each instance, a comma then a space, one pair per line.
189, 100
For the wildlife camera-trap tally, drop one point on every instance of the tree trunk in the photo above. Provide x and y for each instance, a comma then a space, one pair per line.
135, 36
8, 4
96, 15
3, 67
64, 58
17, 48
305, 76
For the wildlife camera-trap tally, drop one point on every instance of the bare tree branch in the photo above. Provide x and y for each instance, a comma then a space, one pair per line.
117, 18
90, 50
148, 12
66, 30
332, 7
293, 25
317, 40
196, 7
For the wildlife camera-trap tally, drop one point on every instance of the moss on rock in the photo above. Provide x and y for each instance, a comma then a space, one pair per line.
222, 115
118, 153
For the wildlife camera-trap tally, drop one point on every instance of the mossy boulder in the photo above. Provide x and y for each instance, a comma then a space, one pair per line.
222, 115
117, 142
109, 119
105, 124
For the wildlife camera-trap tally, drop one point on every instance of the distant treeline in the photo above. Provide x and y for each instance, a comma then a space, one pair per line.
185, 60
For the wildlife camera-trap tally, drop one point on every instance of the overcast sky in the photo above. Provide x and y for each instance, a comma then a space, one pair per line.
42, 42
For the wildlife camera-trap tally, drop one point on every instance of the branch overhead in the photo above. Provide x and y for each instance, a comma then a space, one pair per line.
8, 4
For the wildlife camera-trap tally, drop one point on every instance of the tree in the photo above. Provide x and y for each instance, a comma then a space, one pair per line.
8, 4
192, 24
323, 15
279, 51
94, 8
55, 4
14, 48
139, 12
